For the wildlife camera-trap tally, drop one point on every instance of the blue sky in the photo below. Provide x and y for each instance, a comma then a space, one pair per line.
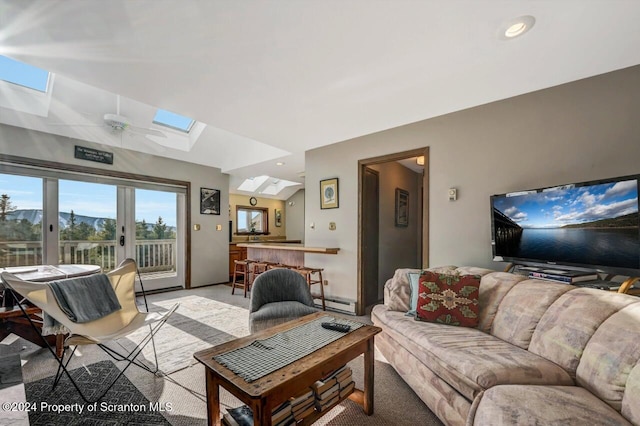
89, 199
568, 204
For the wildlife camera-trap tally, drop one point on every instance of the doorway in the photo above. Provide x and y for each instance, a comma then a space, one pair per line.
393, 220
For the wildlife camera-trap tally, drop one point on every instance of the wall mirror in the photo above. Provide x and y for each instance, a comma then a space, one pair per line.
252, 220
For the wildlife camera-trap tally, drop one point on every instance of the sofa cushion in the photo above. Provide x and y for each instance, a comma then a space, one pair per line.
397, 292
466, 358
567, 326
610, 356
543, 405
631, 399
521, 309
448, 298
493, 287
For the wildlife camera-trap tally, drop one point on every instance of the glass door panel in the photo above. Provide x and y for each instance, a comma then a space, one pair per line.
156, 242
88, 224
20, 220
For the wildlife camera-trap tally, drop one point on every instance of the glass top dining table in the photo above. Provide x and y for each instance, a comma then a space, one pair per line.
44, 273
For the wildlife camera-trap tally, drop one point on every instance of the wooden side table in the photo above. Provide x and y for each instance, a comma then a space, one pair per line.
266, 393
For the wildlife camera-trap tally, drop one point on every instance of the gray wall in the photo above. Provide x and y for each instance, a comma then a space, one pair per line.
209, 248
398, 246
294, 216
584, 130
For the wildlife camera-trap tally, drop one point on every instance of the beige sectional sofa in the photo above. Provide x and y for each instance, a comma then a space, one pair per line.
543, 353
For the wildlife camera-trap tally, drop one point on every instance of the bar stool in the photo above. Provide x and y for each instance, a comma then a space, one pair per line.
307, 273
241, 268
257, 268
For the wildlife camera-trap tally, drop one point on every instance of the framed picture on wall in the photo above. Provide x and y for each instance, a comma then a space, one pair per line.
278, 217
402, 207
209, 201
329, 193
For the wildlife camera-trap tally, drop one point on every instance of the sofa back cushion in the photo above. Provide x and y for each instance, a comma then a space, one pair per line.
609, 358
523, 307
493, 287
397, 291
631, 398
568, 324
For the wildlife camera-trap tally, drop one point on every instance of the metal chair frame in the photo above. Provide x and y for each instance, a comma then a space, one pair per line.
153, 324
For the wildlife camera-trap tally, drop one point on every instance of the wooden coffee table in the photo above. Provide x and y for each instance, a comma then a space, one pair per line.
273, 389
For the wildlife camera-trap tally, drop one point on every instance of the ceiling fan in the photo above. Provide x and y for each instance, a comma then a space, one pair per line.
119, 124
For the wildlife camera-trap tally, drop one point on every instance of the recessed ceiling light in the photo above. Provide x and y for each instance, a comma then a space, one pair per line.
516, 27
279, 163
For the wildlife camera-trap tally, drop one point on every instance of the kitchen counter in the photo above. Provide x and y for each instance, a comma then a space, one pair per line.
286, 254
267, 241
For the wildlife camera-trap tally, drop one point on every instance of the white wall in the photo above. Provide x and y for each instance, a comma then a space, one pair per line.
295, 216
575, 132
209, 248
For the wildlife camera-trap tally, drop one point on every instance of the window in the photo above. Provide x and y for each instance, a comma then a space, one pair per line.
23, 75
173, 120
20, 220
252, 220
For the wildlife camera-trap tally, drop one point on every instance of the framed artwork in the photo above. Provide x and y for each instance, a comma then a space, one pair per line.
402, 207
278, 217
209, 201
329, 193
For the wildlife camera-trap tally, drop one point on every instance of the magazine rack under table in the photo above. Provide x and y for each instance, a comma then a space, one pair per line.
266, 393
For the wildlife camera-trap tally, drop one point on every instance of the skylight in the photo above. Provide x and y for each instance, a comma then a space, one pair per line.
173, 120
276, 186
23, 75
253, 183
265, 185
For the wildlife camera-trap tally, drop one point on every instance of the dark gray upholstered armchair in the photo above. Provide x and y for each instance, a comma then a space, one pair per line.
278, 296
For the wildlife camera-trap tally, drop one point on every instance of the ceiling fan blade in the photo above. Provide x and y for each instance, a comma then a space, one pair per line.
143, 131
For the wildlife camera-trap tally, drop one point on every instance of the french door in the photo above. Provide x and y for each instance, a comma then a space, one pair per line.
59, 219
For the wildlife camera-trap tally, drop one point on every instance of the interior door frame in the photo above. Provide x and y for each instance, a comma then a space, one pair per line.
362, 164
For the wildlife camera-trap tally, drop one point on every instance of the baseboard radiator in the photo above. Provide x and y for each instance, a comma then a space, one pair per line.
336, 304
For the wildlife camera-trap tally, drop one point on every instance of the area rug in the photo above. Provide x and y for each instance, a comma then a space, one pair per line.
122, 405
198, 324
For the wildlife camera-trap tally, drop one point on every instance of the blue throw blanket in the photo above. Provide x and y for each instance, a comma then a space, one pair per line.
85, 299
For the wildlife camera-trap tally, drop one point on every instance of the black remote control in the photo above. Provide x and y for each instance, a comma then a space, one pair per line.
342, 328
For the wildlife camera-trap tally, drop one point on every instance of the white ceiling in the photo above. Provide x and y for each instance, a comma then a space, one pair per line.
274, 78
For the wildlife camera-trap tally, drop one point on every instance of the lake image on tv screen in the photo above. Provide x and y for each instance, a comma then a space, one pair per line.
590, 225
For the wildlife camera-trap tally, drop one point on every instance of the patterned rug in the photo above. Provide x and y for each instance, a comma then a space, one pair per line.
199, 323
122, 405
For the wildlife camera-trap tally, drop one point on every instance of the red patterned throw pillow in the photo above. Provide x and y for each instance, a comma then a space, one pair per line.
448, 299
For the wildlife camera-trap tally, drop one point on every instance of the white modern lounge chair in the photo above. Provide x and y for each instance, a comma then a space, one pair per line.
100, 331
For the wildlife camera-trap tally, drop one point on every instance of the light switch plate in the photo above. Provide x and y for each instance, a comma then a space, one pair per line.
453, 194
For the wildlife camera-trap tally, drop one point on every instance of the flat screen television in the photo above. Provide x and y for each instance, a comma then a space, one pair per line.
590, 225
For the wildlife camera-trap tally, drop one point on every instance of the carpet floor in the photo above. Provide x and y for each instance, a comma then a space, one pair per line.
122, 405
209, 316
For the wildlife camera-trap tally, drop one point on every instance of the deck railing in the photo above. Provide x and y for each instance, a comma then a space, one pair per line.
151, 255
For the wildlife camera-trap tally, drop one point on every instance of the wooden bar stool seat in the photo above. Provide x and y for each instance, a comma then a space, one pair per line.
308, 273
258, 267
242, 269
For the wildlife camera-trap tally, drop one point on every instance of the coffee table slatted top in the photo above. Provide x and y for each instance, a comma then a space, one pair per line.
302, 372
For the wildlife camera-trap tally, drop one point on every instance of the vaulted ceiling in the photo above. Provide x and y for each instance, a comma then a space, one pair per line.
273, 79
